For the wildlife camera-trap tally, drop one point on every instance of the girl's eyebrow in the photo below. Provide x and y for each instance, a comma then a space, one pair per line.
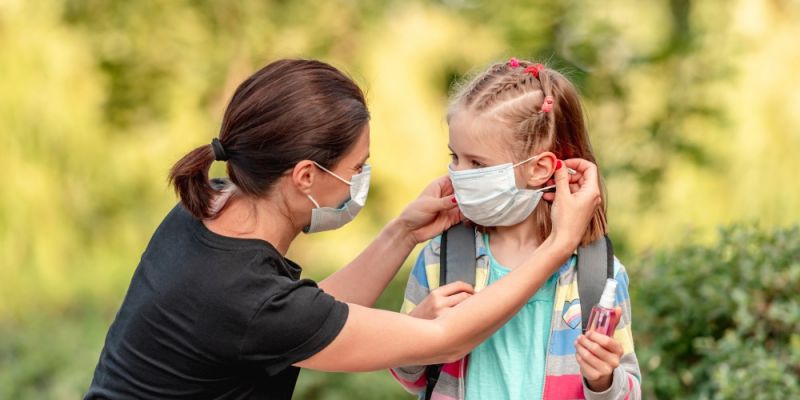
471, 156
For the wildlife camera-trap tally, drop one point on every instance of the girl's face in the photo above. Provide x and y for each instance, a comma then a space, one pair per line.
480, 142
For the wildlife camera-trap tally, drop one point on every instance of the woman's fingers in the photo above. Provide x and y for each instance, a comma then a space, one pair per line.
561, 178
572, 210
579, 165
588, 179
432, 212
440, 187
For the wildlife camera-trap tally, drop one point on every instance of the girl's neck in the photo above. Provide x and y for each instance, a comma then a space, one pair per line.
510, 245
264, 219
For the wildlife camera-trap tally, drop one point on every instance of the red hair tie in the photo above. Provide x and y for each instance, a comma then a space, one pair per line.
513, 62
534, 70
547, 105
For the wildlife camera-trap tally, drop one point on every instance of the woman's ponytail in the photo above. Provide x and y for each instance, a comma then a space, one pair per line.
288, 111
189, 177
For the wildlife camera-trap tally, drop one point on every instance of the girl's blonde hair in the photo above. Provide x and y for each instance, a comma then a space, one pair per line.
514, 96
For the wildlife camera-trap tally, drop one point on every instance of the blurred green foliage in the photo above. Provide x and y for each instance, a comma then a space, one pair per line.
688, 105
723, 321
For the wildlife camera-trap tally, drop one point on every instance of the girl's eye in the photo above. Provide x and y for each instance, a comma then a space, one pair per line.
477, 164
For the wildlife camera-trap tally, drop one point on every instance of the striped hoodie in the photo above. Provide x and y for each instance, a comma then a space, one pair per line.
562, 373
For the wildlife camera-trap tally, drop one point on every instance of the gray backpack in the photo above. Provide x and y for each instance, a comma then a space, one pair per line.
457, 263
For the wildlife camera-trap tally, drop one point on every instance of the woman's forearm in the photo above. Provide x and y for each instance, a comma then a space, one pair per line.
476, 318
376, 339
364, 279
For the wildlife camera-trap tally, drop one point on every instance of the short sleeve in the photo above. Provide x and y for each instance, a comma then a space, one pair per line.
292, 325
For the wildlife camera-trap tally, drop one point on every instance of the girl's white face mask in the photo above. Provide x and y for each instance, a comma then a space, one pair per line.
329, 218
490, 197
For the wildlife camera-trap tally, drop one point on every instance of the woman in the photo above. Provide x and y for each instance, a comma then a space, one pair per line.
215, 310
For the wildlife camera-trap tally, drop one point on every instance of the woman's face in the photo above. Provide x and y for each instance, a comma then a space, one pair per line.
331, 192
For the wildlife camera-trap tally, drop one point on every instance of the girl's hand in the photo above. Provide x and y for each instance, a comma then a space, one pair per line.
576, 199
598, 355
434, 211
442, 299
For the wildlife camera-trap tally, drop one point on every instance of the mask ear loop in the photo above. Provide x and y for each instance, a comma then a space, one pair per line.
552, 187
569, 171
524, 161
316, 205
331, 172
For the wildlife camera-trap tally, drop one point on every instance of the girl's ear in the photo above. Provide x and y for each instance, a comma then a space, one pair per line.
541, 169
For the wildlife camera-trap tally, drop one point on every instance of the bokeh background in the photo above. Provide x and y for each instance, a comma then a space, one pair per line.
693, 108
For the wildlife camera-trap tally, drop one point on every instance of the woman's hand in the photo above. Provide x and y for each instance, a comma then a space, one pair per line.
575, 201
598, 355
432, 212
442, 299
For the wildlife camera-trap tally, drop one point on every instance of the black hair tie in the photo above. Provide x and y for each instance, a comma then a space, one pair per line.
219, 151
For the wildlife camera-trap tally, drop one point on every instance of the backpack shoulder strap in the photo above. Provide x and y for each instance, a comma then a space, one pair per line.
456, 263
457, 255
595, 265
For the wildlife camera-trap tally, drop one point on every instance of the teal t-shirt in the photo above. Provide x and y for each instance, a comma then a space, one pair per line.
510, 364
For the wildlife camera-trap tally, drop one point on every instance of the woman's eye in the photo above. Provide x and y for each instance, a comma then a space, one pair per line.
453, 157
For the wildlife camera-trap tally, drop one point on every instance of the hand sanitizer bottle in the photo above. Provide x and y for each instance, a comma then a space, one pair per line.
603, 313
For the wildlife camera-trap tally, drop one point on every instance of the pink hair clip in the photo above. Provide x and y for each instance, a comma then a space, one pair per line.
547, 104
513, 62
534, 70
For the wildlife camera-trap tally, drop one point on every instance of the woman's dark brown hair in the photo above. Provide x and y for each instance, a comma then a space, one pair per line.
289, 111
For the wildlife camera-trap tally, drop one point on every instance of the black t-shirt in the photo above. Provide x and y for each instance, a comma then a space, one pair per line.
213, 317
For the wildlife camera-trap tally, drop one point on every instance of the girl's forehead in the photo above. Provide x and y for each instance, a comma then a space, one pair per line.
480, 136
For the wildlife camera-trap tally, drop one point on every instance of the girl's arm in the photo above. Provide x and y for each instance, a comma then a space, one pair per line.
422, 302
375, 339
365, 278
612, 361
413, 378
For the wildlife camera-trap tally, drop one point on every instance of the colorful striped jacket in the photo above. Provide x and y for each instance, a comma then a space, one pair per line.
562, 373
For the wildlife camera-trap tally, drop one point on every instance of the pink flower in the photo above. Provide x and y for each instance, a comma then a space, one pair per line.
513, 62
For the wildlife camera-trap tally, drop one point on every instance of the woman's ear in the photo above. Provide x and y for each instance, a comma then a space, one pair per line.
303, 175
541, 169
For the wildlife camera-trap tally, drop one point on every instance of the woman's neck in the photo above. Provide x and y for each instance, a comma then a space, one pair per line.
264, 219
510, 245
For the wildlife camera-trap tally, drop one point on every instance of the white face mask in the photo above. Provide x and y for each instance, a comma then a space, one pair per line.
490, 197
329, 218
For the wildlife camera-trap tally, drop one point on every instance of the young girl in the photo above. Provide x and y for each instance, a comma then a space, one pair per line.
508, 128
